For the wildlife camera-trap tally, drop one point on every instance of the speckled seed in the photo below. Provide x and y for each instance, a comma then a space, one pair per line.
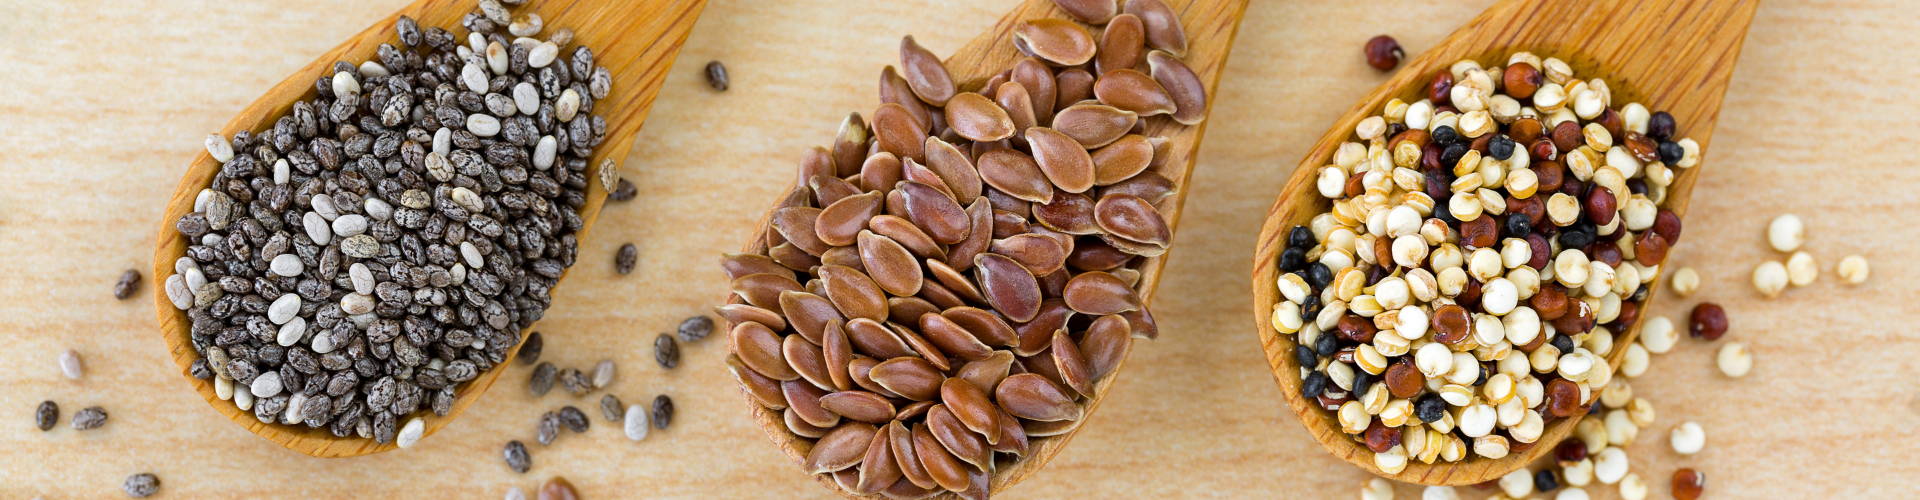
89, 418
695, 328
636, 423
46, 415
411, 432
141, 485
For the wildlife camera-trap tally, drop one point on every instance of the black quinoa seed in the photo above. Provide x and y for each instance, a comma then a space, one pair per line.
1563, 343
1430, 408
1293, 259
1326, 345
1445, 135
1301, 354
1670, 152
1315, 384
1518, 225
1453, 153
1300, 237
1660, 125
1543, 481
1500, 148
1319, 276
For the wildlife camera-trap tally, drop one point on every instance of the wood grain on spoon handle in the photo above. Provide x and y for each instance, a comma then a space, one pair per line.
1674, 56
1211, 26
635, 40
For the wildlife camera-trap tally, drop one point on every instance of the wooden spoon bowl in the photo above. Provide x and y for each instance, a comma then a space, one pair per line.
636, 40
1673, 56
1210, 26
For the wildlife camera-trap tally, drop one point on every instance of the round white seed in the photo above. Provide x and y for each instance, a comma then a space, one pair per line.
474, 77
1786, 233
345, 84
1802, 269
1377, 489
1658, 335
543, 54
636, 423
350, 225
1439, 493
1734, 359
410, 433
1852, 269
377, 209
1685, 281
1636, 362
526, 98
70, 365
1517, 484
1611, 466
1688, 438
1770, 278
219, 148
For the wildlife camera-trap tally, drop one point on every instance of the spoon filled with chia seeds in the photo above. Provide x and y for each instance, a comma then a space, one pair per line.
357, 253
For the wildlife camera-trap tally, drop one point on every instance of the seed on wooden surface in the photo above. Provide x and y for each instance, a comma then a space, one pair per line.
127, 285
840, 448
1094, 125
1059, 41
717, 76
141, 485
409, 434
1734, 360
70, 365
1122, 43
517, 458
924, 73
557, 489
662, 412
665, 351
611, 407
530, 349
977, 118
1189, 94
1064, 161
574, 419
1094, 12
603, 373
46, 415
694, 328
89, 418
1163, 25
1384, 53
623, 259
634, 422
575, 381
1688, 484
1852, 269
547, 428
542, 378
1786, 233
1133, 91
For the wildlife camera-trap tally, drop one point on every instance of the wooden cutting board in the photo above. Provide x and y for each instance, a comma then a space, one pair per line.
104, 101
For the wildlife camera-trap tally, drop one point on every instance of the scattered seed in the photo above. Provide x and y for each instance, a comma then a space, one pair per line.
1708, 321
694, 328
624, 259
1384, 53
666, 351
662, 413
1786, 233
530, 349
410, 433
128, 284
603, 374
1688, 438
635, 422
557, 489
1802, 270
46, 415
717, 76
1688, 484
547, 428
623, 191
611, 407
517, 458
575, 381
574, 419
1685, 281
1734, 359
89, 418
542, 379
1770, 278
1377, 489
70, 364
1852, 269
515, 493
141, 485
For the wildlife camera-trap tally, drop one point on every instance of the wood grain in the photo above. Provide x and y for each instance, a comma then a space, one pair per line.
1210, 27
1663, 54
105, 101
635, 41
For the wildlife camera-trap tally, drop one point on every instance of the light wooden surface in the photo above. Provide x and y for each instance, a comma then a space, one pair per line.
636, 41
1627, 44
1210, 27
103, 102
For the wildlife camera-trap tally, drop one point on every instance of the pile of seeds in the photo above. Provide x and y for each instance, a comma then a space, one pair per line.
1483, 246
391, 237
953, 281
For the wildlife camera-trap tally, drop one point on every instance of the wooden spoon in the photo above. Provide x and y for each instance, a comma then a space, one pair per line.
1210, 27
636, 41
1672, 55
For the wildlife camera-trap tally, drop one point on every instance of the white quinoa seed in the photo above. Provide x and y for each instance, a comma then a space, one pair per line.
1439, 493
70, 365
1688, 438
1517, 484
1852, 269
1734, 359
1786, 233
1633, 487
411, 432
1376, 489
1685, 281
1802, 269
1611, 465
1770, 278
1658, 335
